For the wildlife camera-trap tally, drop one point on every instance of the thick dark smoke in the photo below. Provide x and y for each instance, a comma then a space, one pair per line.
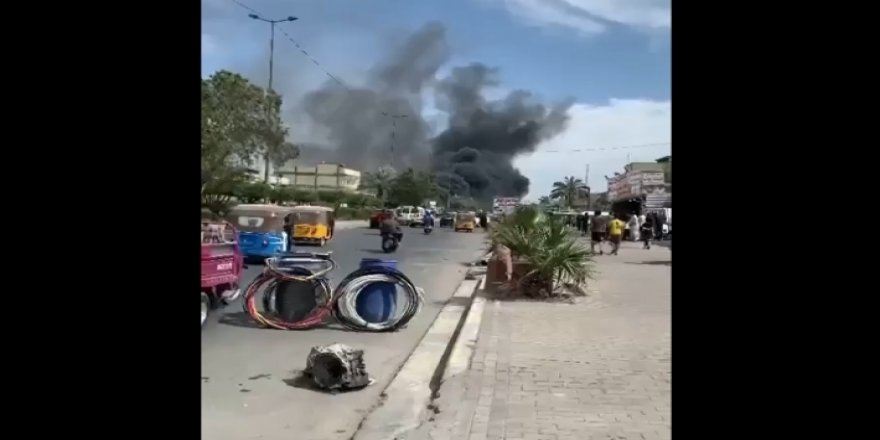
484, 137
353, 120
472, 157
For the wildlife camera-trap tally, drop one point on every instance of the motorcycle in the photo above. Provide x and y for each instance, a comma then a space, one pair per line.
390, 241
428, 229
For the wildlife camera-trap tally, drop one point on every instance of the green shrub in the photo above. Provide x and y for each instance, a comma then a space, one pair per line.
282, 195
252, 192
331, 197
353, 213
304, 196
553, 254
357, 200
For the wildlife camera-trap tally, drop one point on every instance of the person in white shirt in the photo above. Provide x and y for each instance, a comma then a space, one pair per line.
633, 226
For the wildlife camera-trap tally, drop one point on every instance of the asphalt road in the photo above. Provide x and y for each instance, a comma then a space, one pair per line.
248, 391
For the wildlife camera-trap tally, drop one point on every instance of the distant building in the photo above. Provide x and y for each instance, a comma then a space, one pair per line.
324, 176
641, 187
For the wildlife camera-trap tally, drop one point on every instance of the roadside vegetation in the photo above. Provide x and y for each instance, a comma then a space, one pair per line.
547, 257
241, 123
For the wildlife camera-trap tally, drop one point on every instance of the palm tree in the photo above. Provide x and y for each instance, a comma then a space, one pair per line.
379, 182
567, 190
551, 254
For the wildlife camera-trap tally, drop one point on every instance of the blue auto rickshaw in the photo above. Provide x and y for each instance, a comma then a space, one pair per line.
261, 229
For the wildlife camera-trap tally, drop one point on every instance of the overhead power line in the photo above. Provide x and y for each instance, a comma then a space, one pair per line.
301, 49
619, 147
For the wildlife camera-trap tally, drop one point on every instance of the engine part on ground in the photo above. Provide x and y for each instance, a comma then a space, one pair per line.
288, 287
408, 304
337, 367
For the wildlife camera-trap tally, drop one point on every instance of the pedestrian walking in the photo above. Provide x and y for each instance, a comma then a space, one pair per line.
598, 227
615, 233
634, 228
647, 231
658, 226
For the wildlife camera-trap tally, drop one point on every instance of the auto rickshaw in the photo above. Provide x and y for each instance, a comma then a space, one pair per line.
261, 229
465, 221
222, 265
312, 224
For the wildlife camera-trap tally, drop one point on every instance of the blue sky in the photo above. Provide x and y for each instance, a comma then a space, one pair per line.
612, 56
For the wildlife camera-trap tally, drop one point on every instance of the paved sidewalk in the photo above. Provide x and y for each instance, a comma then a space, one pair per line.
599, 369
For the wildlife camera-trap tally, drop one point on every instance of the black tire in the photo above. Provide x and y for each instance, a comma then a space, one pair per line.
389, 245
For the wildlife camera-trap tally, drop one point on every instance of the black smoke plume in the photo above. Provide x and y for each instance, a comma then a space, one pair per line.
485, 136
352, 120
472, 157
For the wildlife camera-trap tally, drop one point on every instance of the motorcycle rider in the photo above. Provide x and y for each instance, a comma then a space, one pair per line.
391, 226
428, 220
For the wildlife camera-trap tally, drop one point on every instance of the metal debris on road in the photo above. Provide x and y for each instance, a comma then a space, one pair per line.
337, 367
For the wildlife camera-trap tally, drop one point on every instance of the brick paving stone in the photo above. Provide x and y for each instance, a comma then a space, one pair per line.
598, 369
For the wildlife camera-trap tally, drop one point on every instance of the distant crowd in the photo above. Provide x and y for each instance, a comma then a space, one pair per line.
615, 228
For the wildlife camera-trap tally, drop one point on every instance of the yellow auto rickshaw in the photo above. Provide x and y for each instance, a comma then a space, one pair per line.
465, 221
312, 224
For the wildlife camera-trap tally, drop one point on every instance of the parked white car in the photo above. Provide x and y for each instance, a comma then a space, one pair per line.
410, 215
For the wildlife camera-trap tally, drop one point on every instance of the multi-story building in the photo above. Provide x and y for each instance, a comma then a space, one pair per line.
642, 187
324, 176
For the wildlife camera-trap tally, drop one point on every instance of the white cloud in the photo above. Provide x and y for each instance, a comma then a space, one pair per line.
590, 17
622, 122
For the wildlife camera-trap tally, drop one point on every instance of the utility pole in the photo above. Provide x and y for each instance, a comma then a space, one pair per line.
394, 119
587, 184
272, 24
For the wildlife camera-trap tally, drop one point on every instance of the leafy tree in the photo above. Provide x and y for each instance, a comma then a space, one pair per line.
331, 197
304, 196
239, 122
281, 194
379, 182
275, 149
357, 200
217, 194
566, 190
412, 188
253, 192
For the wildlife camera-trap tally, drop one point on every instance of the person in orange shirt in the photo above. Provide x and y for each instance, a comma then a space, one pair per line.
615, 233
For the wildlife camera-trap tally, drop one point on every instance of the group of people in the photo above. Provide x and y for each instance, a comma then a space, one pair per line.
612, 228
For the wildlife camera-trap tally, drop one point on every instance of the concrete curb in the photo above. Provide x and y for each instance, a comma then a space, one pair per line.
466, 343
412, 389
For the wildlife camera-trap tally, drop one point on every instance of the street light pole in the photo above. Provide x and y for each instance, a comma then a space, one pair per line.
271, 52
394, 119
272, 24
